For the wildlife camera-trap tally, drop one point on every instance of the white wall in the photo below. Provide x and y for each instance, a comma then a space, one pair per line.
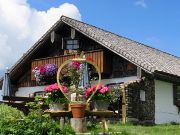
25, 91
1, 95
165, 110
118, 80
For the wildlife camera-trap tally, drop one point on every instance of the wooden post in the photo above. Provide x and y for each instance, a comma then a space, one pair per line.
79, 125
61, 123
104, 125
123, 104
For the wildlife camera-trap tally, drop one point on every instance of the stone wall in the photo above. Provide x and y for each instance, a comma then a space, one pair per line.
138, 110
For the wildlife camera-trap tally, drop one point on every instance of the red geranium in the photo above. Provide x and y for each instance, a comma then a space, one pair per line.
42, 69
101, 90
54, 87
89, 59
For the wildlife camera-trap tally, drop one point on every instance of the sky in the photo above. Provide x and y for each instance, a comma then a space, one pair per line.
152, 22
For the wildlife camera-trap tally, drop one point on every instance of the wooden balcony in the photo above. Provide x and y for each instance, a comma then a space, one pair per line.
99, 58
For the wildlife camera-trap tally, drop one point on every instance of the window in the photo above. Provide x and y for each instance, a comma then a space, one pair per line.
72, 44
176, 93
142, 95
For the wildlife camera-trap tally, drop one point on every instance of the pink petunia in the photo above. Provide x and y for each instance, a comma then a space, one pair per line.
55, 86
65, 89
51, 88
89, 91
103, 90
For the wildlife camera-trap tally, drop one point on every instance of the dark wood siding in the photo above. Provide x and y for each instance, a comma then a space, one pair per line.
97, 56
122, 67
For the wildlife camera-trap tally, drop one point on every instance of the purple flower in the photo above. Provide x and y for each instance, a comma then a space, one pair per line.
51, 69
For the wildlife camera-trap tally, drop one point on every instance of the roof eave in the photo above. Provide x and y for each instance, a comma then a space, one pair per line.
34, 47
167, 77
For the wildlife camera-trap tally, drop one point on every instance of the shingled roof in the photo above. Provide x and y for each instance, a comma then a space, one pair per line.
149, 59
143, 56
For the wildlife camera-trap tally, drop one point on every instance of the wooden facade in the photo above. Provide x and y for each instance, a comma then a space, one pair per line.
110, 64
98, 57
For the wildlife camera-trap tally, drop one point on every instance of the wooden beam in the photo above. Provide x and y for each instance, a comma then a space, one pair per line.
123, 105
13, 98
55, 37
167, 77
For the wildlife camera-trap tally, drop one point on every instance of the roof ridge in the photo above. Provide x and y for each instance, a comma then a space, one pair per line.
124, 37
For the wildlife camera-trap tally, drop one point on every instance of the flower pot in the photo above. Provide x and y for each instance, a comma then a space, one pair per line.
56, 106
101, 105
78, 110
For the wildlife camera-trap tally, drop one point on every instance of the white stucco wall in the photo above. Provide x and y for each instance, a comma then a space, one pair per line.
25, 91
118, 80
1, 95
165, 110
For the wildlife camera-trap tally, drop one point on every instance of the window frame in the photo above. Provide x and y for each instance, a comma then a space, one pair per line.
72, 45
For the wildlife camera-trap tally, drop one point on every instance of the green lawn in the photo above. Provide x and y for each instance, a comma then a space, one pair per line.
130, 129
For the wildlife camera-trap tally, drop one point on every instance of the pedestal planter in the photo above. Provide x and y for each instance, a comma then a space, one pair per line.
101, 105
56, 106
79, 125
78, 110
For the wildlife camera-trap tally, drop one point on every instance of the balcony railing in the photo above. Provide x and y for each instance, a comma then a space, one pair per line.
98, 56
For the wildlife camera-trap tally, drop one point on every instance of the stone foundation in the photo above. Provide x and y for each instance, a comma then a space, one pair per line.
142, 111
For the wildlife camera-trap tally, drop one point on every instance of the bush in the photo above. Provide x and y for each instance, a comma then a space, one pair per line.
37, 123
8, 113
8, 117
13, 122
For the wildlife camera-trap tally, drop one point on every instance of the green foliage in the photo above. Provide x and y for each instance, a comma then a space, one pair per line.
68, 130
8, 113
100, 96
56, 97
13, 122
75, 71
8, 117
37, 104
37, 123
74, 75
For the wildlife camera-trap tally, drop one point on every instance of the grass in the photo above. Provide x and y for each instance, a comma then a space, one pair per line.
130, 129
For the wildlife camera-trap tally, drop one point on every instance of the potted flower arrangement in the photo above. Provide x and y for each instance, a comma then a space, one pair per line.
75, 75
101, 98
45, 73
77, 98
55, 98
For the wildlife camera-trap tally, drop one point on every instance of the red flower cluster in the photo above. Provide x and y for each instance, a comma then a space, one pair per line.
76, 64
54, 87
88, 91
42, 69
89, 59
102, 89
